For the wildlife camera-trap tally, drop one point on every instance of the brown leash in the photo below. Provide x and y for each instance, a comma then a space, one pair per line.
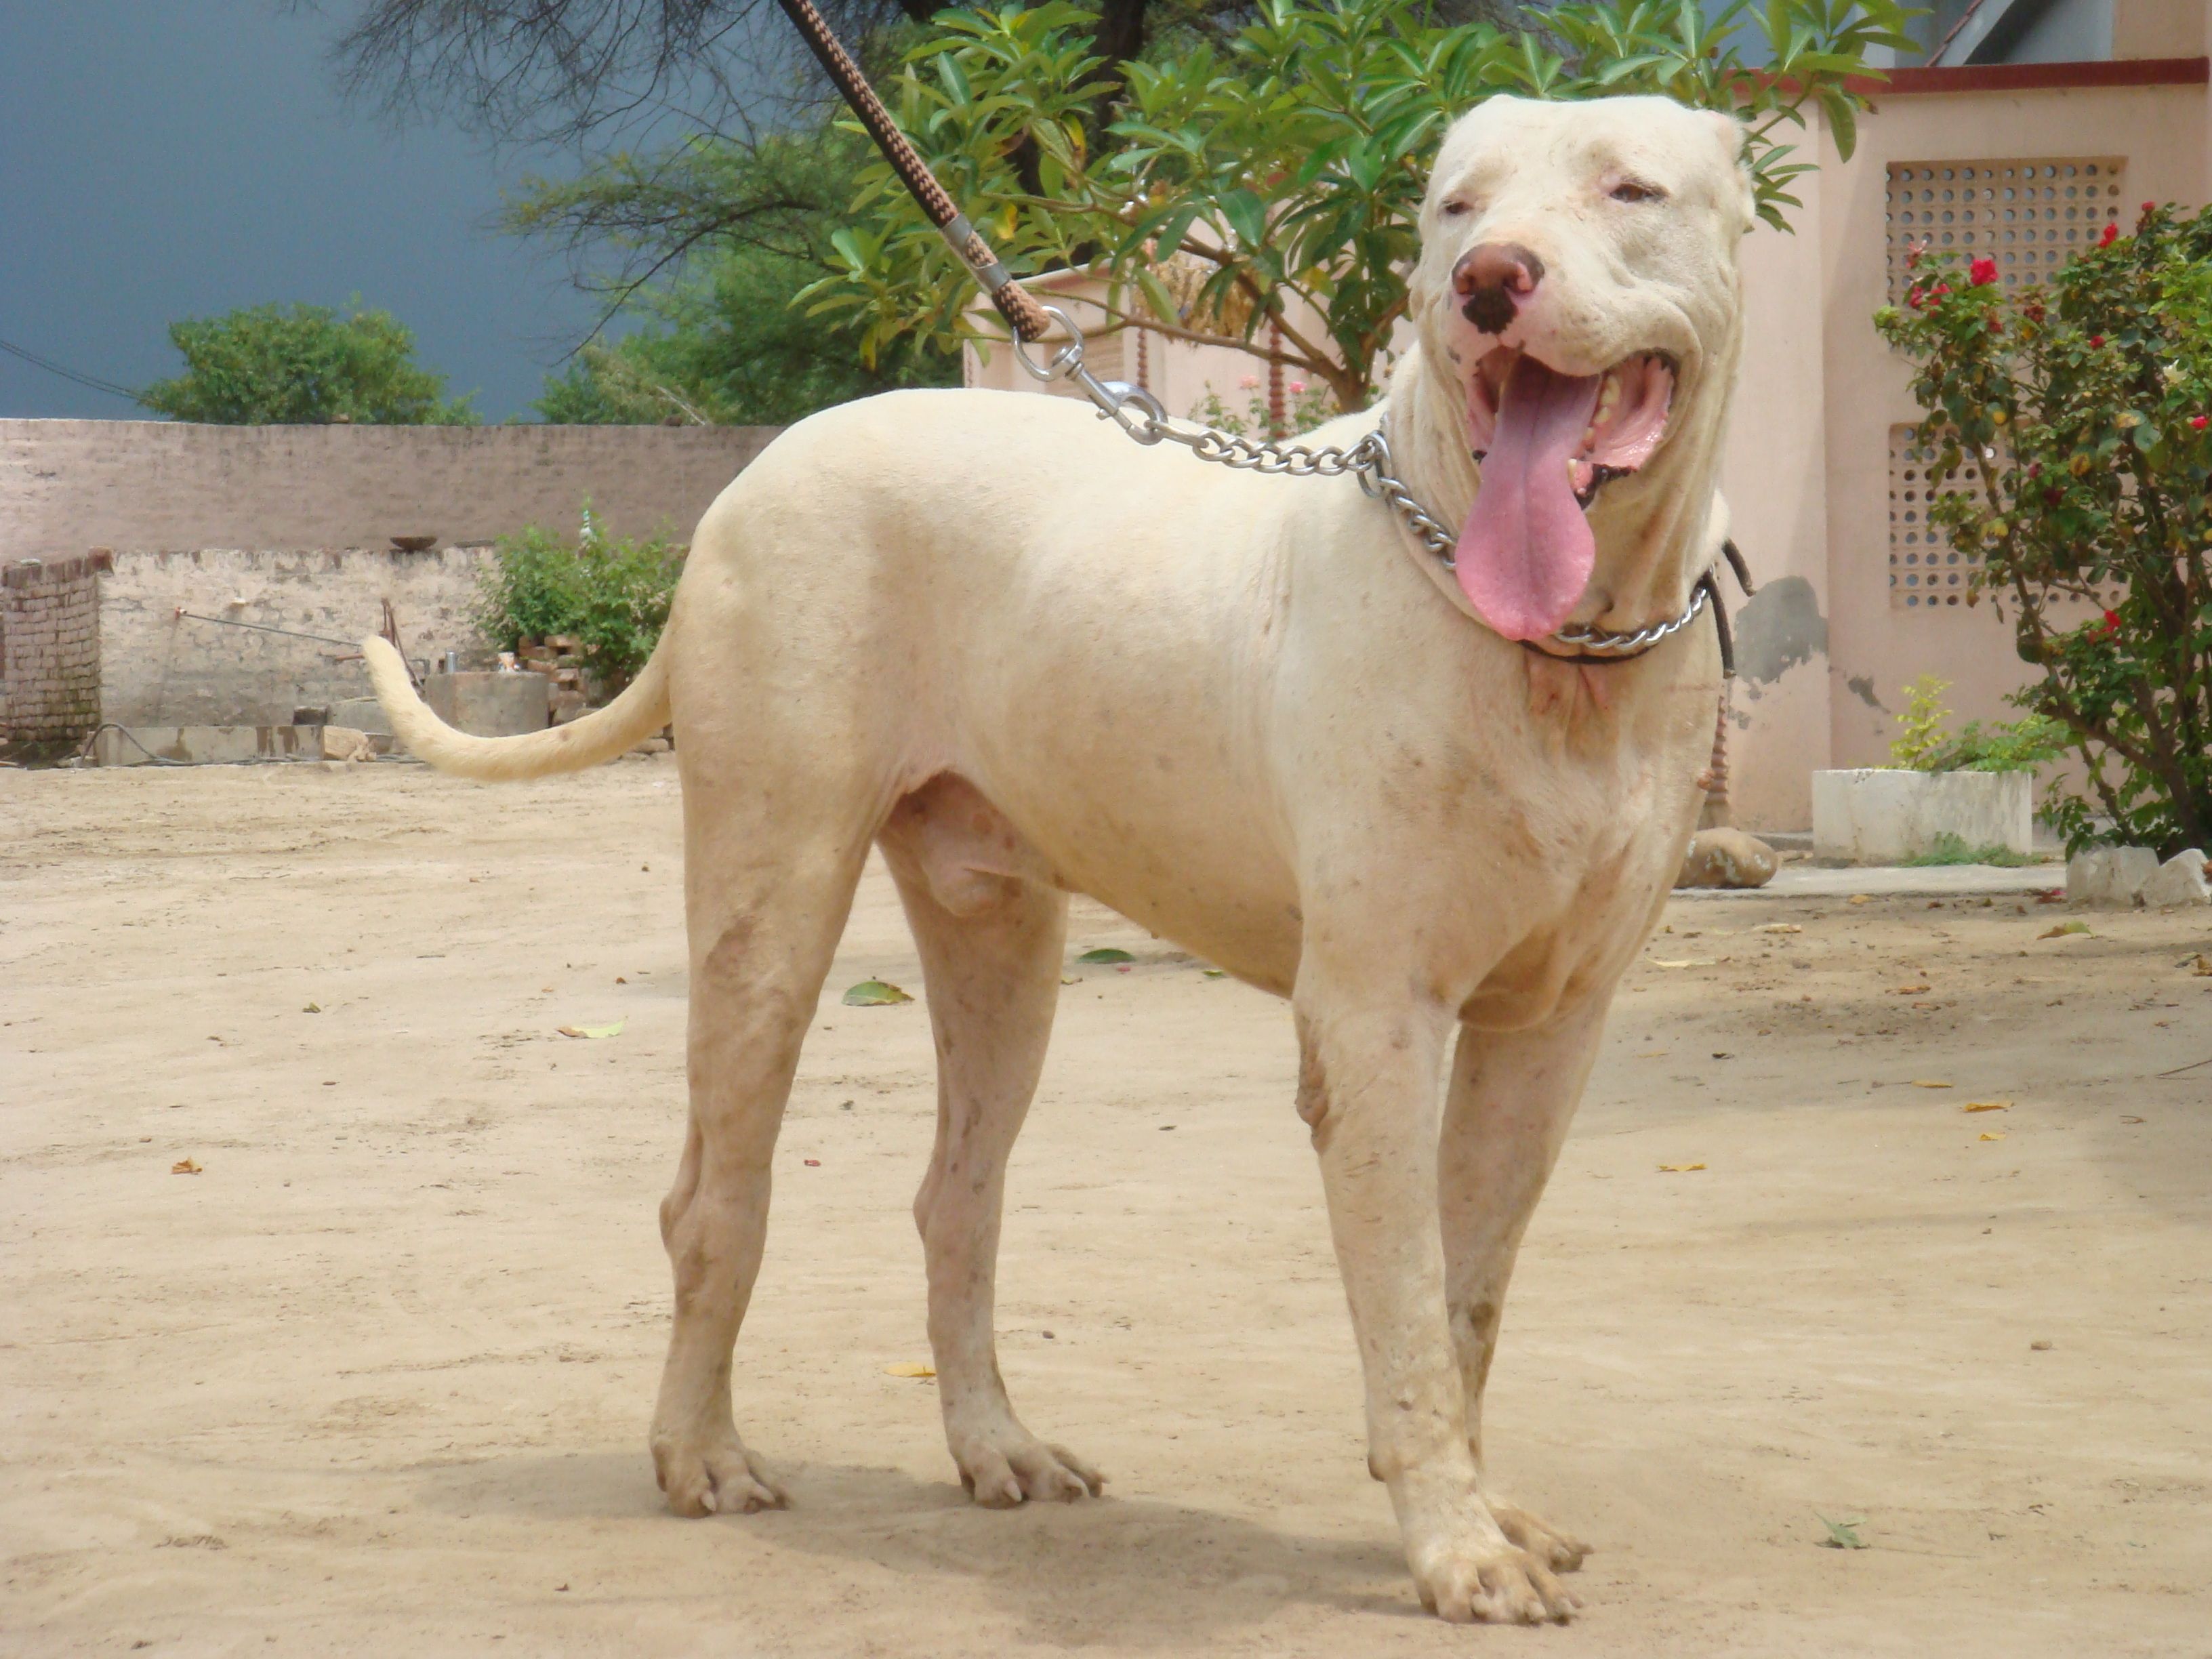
1023, 314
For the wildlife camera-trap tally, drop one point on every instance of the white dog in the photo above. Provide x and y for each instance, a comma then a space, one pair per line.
1027, 657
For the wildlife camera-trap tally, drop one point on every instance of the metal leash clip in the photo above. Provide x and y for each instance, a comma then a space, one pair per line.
1114, 399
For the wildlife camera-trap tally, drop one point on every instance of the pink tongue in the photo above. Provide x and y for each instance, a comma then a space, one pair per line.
1526, 552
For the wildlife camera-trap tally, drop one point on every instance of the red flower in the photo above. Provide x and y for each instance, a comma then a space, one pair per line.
2096, 342
2053, 495
1995, 327
1916, 299
2035, 469
2034, 312
2111, 623
2148, 208
1913, 255
1940, 291
1983, 271
2112, 235
2200, 422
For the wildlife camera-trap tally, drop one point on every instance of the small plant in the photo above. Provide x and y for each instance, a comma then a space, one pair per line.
1949, 848
1923, 723
1925, 744
1306, 408
610, 595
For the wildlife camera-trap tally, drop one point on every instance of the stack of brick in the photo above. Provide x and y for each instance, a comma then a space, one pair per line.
560, 659
50, 649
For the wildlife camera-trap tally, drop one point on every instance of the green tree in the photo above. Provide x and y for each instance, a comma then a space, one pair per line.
2071, 429
1287, 163
748, 229
302, 365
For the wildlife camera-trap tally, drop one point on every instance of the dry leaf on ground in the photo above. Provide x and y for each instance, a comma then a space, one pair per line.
910, 1368
1678, 1169
2063, 929
1999, 1135
614, 1030
1929, 1083
1987, 1106
183, 1166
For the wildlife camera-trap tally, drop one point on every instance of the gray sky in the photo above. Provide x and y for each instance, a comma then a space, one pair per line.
162, 159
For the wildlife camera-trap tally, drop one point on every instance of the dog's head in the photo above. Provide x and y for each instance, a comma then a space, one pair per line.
1577, 302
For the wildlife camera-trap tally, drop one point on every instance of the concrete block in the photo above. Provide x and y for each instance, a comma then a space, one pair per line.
2179, 881
359, 714
2113, 876
1885, 815
205, 745
490, 705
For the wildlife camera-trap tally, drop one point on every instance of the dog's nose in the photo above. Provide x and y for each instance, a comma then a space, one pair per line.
1495, 280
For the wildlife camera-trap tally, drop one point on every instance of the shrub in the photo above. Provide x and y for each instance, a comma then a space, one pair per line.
610, 596
2073, 424
1926, 744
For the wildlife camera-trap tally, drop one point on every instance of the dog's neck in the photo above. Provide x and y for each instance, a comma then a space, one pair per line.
1658, 532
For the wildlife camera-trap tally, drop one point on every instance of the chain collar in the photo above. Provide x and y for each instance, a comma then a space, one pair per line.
1143, 416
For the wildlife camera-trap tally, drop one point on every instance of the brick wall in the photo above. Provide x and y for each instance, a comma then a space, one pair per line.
66, 486
161, 664
50, 649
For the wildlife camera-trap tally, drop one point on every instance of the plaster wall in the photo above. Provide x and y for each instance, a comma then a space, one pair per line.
1774, 476
161, 664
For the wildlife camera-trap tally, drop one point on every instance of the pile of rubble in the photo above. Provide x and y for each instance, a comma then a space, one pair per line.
560, 658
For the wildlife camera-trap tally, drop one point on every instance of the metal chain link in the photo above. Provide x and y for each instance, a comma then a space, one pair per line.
1142, 415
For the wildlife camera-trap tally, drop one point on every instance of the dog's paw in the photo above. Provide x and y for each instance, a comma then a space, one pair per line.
1003, 1470
1503, 1585
720, 1476
1556, 1550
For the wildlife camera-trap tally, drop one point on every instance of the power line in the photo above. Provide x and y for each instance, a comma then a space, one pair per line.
52, 367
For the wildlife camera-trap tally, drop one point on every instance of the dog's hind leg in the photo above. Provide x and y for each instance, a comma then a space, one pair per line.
991, 946
767, 886
1512, 1096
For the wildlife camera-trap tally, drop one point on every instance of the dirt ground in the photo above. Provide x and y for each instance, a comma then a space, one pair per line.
376, 1379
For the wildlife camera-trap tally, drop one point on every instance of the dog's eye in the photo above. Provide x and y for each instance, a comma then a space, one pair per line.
1453, 209
1628, 190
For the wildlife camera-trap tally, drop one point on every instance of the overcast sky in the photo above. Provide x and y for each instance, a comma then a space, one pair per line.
162, 159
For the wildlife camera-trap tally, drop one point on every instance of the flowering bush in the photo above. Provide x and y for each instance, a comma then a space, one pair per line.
2076, 414
1306, 408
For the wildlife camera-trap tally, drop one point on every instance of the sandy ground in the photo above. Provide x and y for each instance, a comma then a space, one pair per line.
377, 1379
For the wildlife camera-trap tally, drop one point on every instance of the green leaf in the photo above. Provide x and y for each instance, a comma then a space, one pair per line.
874, 993
1105, 953
1843, 1534
1156, 293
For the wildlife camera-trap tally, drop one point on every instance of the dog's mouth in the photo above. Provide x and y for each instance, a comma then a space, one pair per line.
1547, 443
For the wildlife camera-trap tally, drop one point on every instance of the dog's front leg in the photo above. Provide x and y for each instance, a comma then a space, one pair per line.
1371, 1086
1512, 1095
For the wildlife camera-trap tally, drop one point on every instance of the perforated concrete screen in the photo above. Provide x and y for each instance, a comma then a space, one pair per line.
2030, 216
1924, 570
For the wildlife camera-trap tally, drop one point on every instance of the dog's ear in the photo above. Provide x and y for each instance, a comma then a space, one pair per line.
1735, 146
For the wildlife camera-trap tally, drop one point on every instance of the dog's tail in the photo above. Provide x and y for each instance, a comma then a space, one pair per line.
639, 712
